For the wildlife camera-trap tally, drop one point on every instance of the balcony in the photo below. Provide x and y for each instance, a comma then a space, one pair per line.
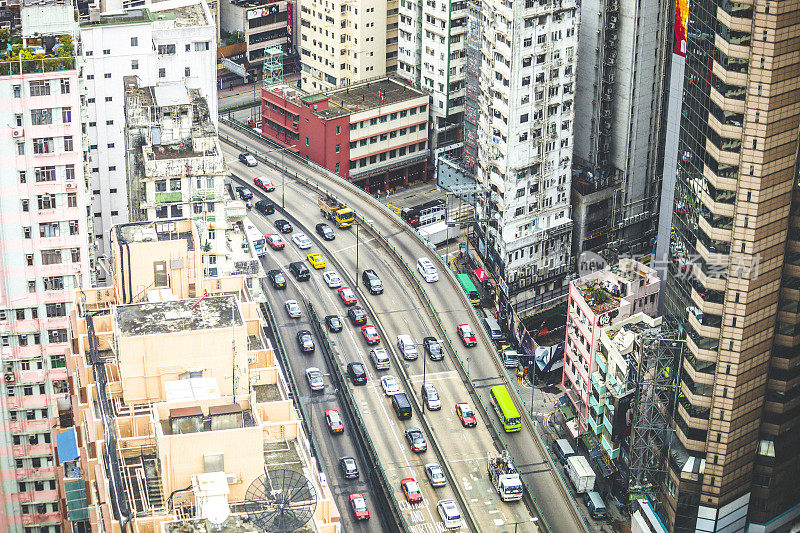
601, 362
597, 383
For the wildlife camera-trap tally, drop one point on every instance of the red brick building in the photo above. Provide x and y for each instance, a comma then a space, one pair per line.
374, 134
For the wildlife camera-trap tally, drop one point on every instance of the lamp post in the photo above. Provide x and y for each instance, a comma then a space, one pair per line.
356, 278
424, 361
283, 171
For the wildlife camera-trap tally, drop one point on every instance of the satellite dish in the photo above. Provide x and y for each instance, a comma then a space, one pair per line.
280, 501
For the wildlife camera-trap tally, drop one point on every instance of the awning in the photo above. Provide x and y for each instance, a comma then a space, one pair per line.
572, 427
481, 275
67, 446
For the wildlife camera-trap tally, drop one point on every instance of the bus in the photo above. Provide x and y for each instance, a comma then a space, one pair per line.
255, 238
469, 288
424, 214
503, 405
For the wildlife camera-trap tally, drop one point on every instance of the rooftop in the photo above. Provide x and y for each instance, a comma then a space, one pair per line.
137, 15
173, 316
600, 295
156, 231
169, 13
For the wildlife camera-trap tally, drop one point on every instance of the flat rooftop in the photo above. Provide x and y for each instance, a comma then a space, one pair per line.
138, 15
599, 295
174, 316
171, 230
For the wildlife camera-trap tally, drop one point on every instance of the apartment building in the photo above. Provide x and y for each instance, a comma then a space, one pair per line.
177, 404
619, 107
733, 279
164, 42
595, 301
524, 147
432, 41
264, 24
374, 134
44, 251
346, 42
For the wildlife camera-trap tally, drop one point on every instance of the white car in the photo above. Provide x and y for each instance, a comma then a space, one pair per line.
332, 279
314, 377
390, 385
448, 511
427, 269
407, 347
293, 308
302, 241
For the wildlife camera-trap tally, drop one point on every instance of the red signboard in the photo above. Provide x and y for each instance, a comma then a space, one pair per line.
681, 24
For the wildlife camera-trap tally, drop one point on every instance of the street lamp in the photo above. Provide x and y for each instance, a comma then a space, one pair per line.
356, 278
283, 171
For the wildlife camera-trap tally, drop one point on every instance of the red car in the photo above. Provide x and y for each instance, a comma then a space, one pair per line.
370, 334
334, 421
264, 183
467, 337
411, 490
275, 241
359, 505
467, 416
348, 296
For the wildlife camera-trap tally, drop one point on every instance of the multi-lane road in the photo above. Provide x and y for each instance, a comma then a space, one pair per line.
400, 311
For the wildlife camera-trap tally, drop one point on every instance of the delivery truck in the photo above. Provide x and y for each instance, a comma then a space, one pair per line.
580, 473
504, 476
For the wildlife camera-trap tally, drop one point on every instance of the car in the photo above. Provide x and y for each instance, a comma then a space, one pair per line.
334, 421
349, 467
244, 193
265, 207
411, 490
293, 308
430, 396
248, 159
277, 278
325, 231
359, 505
370, 334
467, 337
371, 281
416, 440
316, 260
449, 513
332, 279
435, 475
357, 373
433, 348
284, 226
407, 347
275, 241
305, 340
380, 358
467, 416
426, 267
357, 315
347, 295
314, 377
264, 182
302, 241
389, 385
334, 323
299, 271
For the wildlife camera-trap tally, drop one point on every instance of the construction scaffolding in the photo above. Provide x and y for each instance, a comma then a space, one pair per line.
652, 368
273, 66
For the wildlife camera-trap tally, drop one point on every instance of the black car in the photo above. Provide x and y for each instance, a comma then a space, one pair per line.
305, 340
433, 348
334, 323
349, 467
265, 207
325, 232
357, 373
371, 281
283, 226
357, 315
244, 193
416, 440
277, 278
248, 159
300, 271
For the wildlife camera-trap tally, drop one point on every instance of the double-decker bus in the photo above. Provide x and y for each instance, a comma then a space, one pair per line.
424, 214
503, 405
469, 288
255, 238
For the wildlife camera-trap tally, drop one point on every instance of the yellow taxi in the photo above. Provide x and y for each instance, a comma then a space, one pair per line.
316, 260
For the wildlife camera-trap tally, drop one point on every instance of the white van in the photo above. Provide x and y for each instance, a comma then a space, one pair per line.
430, 397
428, 271
407, 347
448, 511
493, 328
380, 359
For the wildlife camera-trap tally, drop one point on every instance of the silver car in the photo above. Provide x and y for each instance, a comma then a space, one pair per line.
314, 377
293, 308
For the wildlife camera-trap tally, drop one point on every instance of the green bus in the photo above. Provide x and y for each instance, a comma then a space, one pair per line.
469, 288
503, 405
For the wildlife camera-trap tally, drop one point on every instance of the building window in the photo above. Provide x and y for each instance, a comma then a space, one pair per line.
22, 177
43, 145
64, 86
176, 211
338, 130
306, 141
72, 199
53, 283
74, 228
57, 335
38, 117
46, 201
161, 211
338, 166
134, 41
39, 88
25, 205
187, 72
66, 115
109, 98
51, 257
17, 91
45, 174
68, 146
134, 64
20, 148
26, 231
338, 148
202, 46
49, 229
166, 49
162, 73
107, 75
76, 254
175, 184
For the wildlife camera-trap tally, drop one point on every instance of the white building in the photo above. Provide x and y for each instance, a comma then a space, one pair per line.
524, 146
346, 42
431, 54
171, 41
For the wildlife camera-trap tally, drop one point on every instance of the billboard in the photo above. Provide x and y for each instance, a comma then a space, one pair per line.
262, 11
681, 25
623, 419
289, 22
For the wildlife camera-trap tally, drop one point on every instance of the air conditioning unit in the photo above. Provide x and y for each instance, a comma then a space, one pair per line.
9, 378
252, 358
71, 185
17, 132
232, 479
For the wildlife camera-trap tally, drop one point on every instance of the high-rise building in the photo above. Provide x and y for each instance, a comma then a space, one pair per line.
432, 56
171, 41
44, 251
733, 279
618, 111
346, 42
524, 147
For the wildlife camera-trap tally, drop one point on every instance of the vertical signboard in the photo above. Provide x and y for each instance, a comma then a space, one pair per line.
289, 22
681, 24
